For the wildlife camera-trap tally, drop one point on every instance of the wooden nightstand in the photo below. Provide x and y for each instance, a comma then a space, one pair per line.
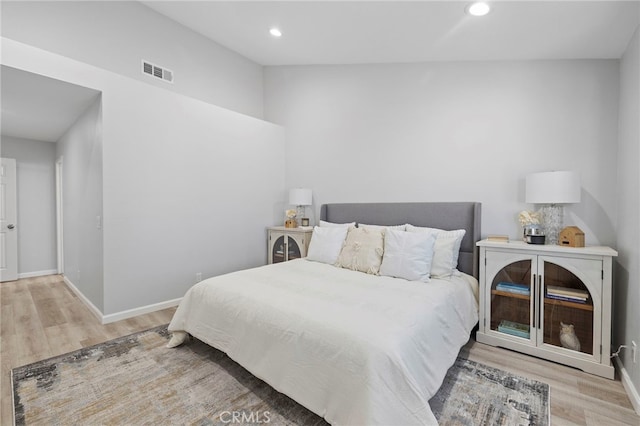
528, 291
288, 243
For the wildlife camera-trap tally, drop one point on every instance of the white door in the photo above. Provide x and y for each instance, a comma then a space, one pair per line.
8, 216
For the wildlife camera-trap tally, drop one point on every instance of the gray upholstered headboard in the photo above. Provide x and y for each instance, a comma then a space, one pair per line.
445, 215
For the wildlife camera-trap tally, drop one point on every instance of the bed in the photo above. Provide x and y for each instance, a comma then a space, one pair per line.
352, 347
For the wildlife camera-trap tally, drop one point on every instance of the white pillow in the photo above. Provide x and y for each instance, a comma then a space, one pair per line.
326, 243
446, 250
396, 227
362, 250
325, 224
407, 255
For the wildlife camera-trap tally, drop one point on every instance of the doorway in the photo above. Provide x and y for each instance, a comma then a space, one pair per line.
37, 113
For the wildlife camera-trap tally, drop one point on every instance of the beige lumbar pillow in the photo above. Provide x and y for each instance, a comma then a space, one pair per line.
362, 250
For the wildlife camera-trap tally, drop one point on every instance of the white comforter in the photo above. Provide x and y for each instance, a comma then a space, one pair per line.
356, 349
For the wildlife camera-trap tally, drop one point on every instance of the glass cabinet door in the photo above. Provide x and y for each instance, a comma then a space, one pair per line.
568, 310
293, 249
511, 299
285, 248
278, 250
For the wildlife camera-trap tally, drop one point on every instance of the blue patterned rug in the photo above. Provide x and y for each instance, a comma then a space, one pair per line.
135, 380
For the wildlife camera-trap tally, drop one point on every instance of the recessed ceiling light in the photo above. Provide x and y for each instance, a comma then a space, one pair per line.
275, 32
478, 9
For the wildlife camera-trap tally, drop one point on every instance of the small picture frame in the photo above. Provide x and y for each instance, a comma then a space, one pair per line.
304, 221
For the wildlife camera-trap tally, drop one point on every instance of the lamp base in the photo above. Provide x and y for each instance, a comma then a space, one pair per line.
300, 211
552, 216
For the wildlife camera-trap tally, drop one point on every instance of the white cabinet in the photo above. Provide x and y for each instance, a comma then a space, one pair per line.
288, 243
549, 301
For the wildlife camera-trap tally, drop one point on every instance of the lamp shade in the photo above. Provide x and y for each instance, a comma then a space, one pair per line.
300, 196
553, 188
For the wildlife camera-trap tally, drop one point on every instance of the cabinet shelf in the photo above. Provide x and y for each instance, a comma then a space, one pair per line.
509, 294
583, 306
547, 301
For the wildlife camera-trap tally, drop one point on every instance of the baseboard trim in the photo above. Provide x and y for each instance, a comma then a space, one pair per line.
37, 273
130, 313
629, 387
93, 308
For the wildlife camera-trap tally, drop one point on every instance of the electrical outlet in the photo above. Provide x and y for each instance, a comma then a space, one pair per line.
634, 349
199, 277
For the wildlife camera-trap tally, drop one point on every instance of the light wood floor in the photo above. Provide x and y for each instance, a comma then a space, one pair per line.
42, 318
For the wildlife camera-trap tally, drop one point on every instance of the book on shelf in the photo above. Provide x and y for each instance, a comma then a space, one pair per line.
569, 292
514, 328
513, 291
512, 285
498, 238
581, 297
562, 296
565, 298
513, 288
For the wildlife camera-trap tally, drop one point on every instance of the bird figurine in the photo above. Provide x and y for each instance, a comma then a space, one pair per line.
568, 337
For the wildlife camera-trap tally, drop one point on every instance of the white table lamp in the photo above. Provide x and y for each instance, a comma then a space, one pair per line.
300, 197
552, 189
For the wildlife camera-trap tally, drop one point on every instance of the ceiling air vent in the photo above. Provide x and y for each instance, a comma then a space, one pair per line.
157, 72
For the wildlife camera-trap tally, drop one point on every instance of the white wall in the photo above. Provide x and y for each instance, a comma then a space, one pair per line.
36, 225
118, 35
187, 186
452, 131
81, 151
627, 283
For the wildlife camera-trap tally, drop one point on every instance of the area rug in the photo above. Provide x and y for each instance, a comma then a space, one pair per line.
135, 380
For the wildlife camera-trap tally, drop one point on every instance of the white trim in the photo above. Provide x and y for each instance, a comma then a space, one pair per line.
37, 273
94, 310
129, 313
632, 392
59, 217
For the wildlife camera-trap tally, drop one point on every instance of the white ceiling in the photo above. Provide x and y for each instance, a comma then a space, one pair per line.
40, 108
341, 32
338, 32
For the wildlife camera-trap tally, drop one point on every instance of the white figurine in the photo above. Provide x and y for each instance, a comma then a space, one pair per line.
568, 337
